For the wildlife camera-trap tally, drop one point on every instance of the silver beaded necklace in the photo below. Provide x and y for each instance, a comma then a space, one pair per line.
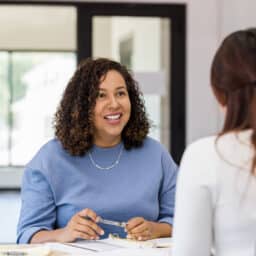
105, 168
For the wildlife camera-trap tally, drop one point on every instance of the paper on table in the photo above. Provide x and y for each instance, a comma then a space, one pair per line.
111, 244
98, 245
28, 250
70, 249
128, 243
165, 242
137, 252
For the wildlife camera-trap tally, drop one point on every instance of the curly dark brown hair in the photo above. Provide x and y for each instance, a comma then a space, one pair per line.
73, 120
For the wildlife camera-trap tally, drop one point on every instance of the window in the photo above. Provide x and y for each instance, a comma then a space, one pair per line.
38, 55
4, 104
32, 91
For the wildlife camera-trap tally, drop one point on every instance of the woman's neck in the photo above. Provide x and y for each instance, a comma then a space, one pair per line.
105, 143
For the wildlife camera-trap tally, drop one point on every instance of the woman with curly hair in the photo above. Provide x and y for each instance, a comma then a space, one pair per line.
101, 165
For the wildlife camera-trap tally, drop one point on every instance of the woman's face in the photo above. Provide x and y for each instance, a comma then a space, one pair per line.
112, 110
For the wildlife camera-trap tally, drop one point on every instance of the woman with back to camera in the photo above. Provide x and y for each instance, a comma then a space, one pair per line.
216, 191
100, 165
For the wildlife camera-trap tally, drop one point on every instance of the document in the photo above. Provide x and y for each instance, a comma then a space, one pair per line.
115, 246
28, 250
111, 246
113, 243
136, 252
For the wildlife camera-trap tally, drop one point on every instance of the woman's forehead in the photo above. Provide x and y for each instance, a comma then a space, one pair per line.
112, 79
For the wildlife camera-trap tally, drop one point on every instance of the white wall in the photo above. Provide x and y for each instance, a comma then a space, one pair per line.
57, 28
237, 14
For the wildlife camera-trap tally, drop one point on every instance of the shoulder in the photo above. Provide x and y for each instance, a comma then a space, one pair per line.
202, 148
199, 161
51, 148
159, 152
154, 145
155, 149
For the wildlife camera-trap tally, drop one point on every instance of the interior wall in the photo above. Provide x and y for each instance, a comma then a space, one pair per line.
237, 14
18, 35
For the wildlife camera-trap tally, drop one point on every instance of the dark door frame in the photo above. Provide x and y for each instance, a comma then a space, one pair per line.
177, 14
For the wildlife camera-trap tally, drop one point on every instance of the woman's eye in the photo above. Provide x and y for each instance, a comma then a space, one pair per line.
101, 95
121, 93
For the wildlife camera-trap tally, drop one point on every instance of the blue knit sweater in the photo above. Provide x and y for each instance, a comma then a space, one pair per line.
57, 185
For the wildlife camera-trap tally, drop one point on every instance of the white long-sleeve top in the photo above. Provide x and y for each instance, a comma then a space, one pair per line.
216, 198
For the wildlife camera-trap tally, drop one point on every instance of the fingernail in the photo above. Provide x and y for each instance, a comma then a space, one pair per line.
97, 238
140, 238
125, 230
102, 232
92, 238
128, 236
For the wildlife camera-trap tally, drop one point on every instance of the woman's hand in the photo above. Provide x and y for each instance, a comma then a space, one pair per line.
140, 229
82, 225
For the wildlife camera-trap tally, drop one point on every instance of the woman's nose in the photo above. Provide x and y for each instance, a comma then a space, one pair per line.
113, 102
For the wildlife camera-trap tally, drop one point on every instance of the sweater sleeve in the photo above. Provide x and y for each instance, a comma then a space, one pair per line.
193, 222
167, 193
38, 210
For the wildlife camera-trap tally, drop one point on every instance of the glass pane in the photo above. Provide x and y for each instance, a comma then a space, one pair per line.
41, 45
4, 108
38, 80
142, 44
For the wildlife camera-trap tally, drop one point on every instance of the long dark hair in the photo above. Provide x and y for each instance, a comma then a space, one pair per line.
233, 79
73, 119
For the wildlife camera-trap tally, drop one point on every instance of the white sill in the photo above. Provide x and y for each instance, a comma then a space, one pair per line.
10, 177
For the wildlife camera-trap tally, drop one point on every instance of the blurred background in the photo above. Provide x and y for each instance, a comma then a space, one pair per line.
168, 45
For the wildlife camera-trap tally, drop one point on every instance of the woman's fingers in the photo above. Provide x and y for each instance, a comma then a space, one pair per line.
88, 213
83, 225
140, 229
86, 230
133, 223
79, 234
89, 223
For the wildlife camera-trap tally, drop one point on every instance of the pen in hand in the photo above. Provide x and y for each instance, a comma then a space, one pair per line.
111, 222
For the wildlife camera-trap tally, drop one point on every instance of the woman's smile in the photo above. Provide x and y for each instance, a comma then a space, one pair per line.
113, 118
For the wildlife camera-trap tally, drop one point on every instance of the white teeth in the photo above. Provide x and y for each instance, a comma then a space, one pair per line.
113, 117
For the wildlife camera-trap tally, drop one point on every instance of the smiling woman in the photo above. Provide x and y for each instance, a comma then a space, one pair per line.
98, 165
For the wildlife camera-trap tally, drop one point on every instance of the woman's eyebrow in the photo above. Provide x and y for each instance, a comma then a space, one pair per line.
118, 88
